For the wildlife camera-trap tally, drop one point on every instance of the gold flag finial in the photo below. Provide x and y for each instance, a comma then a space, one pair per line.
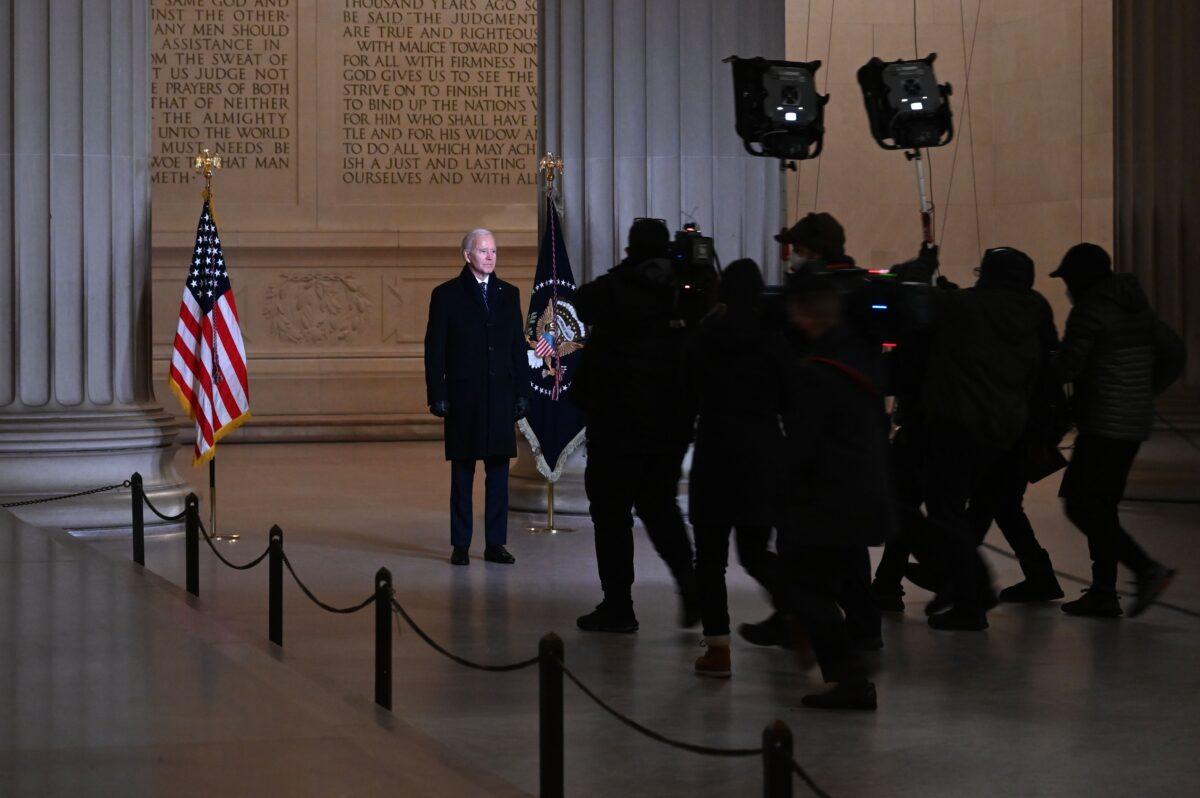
206, 163
548, 166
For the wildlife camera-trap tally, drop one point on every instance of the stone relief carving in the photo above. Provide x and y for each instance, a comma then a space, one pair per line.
393, 310
315, 308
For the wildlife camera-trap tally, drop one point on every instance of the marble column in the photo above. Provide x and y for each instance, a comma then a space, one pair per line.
1158, 174
77, 408
636, 100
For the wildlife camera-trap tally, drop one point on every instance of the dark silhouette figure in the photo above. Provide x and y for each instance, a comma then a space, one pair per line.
735, 374
1117, 355
983, 369
840, 498
637, 427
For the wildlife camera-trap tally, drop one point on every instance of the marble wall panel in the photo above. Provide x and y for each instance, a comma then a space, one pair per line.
1031, 164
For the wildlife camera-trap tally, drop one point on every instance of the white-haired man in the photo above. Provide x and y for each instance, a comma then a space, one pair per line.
474, 366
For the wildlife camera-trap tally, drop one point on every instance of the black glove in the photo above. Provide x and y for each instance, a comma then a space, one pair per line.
929, 254
522, 407
946, 285
440, 408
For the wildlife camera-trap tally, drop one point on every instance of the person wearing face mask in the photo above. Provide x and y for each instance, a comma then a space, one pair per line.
474, 358
817, 244
1117, 355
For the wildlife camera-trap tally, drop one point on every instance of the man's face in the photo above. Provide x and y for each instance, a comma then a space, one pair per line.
482, 256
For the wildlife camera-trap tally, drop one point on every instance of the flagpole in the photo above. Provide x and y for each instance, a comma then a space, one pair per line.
206, 163
548, 166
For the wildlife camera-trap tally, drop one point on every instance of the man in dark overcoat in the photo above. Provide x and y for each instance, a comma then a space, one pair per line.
474, 361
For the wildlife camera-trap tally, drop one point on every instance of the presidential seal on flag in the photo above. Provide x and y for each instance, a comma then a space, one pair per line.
554, 335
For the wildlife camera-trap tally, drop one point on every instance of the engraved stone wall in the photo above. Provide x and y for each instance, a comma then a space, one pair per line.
361, 139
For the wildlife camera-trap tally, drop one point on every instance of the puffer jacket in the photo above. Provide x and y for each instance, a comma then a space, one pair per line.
1108, 352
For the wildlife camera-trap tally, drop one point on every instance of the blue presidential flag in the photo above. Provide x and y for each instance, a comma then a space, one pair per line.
553, 425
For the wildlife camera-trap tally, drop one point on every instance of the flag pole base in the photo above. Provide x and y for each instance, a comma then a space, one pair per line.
223, 537
549, 528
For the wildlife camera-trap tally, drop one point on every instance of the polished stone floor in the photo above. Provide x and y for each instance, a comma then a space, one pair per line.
1040, 704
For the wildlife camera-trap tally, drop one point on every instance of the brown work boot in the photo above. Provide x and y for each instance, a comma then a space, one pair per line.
716, 659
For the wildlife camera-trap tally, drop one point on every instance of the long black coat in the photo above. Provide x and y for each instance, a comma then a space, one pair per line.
475, 360
837, 447
736, 373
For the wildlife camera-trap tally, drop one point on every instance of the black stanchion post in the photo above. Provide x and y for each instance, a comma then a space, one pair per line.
550, 715
777, 760
139, 519
383, 638
191, 543
275, 586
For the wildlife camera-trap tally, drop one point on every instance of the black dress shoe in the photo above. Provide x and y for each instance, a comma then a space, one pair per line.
844, 695
498, 554
606, 618
459, 556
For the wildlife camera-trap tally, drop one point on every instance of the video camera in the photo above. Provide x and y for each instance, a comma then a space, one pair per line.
696, 271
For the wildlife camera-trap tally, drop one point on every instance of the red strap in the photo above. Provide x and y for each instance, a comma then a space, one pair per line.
854, 374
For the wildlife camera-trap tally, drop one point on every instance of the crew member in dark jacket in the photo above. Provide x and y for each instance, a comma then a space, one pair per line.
841, 501
474, 362
735, 375
1001, 493
1117, 355
637, 427
983, 369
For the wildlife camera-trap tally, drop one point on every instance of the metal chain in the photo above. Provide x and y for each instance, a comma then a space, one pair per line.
808, 780
178, 517
28, 502
512, 666
327, 607
234, 566
653, 735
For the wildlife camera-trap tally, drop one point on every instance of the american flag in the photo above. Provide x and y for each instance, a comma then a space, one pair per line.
208, 373
545, 345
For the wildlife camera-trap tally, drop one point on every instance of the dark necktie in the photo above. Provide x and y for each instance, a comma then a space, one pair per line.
483, 289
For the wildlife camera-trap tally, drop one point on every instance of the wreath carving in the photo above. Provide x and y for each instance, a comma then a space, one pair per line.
315, 308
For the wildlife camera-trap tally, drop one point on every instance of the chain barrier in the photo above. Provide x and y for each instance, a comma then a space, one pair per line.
221, 557
401, 613
653, 735
512, 666
1186, 438
1079, 580
177, 517
28, 502
812, 785
327, 607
